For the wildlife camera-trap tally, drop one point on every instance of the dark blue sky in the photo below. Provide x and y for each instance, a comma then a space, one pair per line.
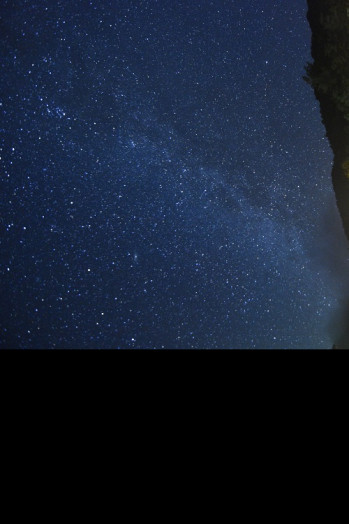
165, 178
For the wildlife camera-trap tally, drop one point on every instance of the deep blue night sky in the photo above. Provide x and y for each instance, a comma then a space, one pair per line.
165, 178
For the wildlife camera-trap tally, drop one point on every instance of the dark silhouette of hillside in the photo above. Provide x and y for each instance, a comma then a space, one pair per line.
328, 74
329, 77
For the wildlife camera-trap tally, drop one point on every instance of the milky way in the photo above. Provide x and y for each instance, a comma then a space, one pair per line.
165, 178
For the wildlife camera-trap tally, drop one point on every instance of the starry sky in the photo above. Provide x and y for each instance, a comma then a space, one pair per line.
165, 178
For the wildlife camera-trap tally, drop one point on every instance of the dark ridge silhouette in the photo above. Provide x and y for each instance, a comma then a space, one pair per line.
329, 77
328, 74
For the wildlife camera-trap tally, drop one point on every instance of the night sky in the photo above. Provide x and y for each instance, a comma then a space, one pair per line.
165, 178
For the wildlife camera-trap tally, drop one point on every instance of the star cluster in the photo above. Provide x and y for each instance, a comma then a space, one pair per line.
165, 178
